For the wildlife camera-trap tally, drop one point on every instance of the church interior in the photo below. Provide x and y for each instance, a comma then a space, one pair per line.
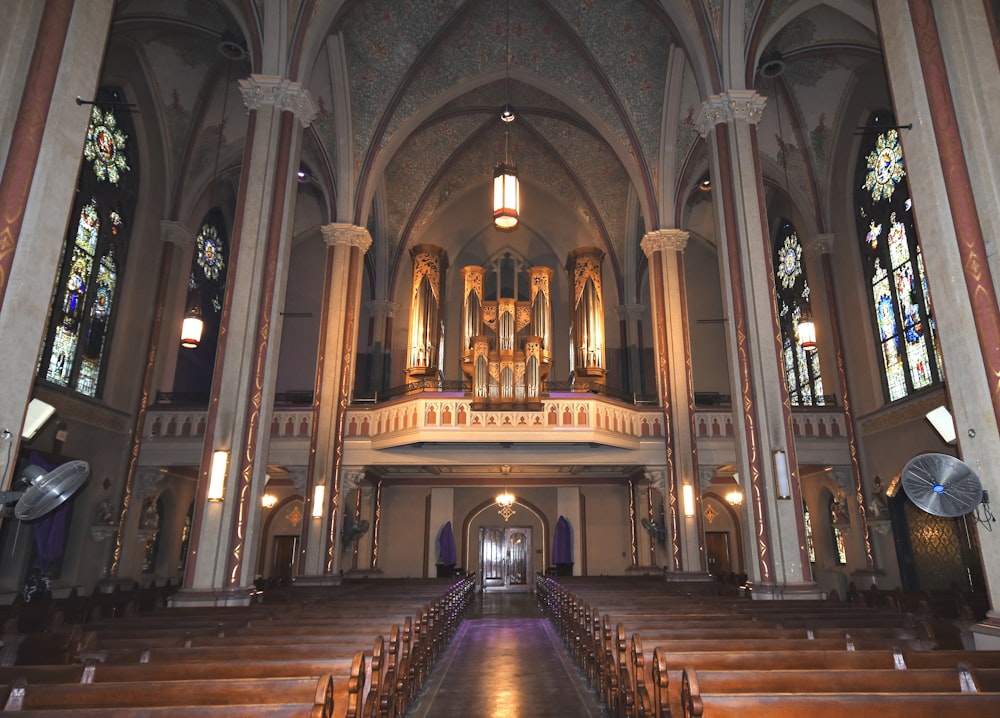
506, 293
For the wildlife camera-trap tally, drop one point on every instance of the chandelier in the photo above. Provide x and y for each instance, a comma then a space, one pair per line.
506, 503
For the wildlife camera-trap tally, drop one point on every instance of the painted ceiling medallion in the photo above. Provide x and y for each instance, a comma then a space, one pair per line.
210, 257
790, 257
105, 146
885, 166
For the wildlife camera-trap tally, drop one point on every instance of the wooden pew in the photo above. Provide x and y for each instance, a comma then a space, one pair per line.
305, 693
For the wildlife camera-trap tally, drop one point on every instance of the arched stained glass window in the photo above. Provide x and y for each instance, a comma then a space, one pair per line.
801, 365
81, 319
894, 266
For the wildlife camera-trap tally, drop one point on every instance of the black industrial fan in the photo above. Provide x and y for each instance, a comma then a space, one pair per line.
353, 530
942, 485
37, 491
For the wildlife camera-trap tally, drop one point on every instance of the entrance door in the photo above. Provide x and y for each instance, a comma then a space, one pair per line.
283, 558
717, 548
505, 558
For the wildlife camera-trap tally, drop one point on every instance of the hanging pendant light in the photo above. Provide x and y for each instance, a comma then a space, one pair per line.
506, 190
193, 324
807, 333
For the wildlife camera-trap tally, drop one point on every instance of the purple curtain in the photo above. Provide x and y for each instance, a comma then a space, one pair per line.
562, 543
446, 546
49, 530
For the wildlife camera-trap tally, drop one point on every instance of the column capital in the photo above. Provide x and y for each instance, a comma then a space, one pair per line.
746, 105
657, 478
176, 233
818, 246
260, 90
664, 239
350, 234
630, 311
382, 307
351, 477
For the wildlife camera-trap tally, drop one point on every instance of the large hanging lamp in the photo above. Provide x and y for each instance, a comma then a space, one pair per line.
506, 192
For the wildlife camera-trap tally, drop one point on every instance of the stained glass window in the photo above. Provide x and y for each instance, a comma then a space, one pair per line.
82, 316
810, 547
900, 300
801, 365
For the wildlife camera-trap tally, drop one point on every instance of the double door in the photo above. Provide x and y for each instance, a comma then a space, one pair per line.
505, 558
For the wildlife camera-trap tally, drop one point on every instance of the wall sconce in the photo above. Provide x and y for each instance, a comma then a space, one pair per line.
735, 495
217, 476
268, 501
688, 499
781, 475
943, 424
319, 495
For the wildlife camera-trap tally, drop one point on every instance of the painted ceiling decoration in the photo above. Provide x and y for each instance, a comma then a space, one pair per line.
607, 93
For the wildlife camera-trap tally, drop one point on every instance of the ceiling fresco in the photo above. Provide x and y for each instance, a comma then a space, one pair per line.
602, 109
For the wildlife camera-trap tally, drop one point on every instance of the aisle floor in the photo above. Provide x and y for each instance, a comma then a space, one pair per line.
506, 661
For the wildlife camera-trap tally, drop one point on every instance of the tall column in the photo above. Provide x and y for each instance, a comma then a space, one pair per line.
346, 246
381, 312
631, 316
764, 442
664, 250
821, 246
944, 98
221, 562
39, 176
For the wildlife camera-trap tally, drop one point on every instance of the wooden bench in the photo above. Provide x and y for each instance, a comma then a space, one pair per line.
307, 693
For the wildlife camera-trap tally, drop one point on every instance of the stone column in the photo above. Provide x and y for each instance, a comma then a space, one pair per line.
38, 184
631, 317
221, 561
664, 250
764, 442
346, 247
946, 98
381, 312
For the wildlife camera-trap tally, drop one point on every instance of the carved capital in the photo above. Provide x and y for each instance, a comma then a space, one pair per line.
261, 90
146, 483
661, 240
382, 307
745, 105
352, 477
298, 478
818, 246
176, 233
630, 311
657, 478
349, 234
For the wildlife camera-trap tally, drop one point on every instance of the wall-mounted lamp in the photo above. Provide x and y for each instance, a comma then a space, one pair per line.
943, 423
319, 495
688, 500
268, 501
782, 475
217, 476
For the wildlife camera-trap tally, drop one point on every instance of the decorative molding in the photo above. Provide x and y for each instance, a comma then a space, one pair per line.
146, 483
298, 479
897, 415
660, 240
745, 105
349, 234
261, 90
176, 233
352, 477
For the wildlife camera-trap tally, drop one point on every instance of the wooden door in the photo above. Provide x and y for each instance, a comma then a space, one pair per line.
505, 558
717, 548
283, 557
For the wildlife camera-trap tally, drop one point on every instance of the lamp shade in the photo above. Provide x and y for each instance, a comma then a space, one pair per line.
807, 334
506, 196
191, 330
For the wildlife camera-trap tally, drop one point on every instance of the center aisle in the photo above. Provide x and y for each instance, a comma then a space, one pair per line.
506, 661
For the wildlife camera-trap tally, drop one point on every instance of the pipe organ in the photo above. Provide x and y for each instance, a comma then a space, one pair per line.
506, 342
584, 266
424, 355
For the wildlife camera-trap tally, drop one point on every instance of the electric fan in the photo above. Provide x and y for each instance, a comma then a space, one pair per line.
942, 485
39, 492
